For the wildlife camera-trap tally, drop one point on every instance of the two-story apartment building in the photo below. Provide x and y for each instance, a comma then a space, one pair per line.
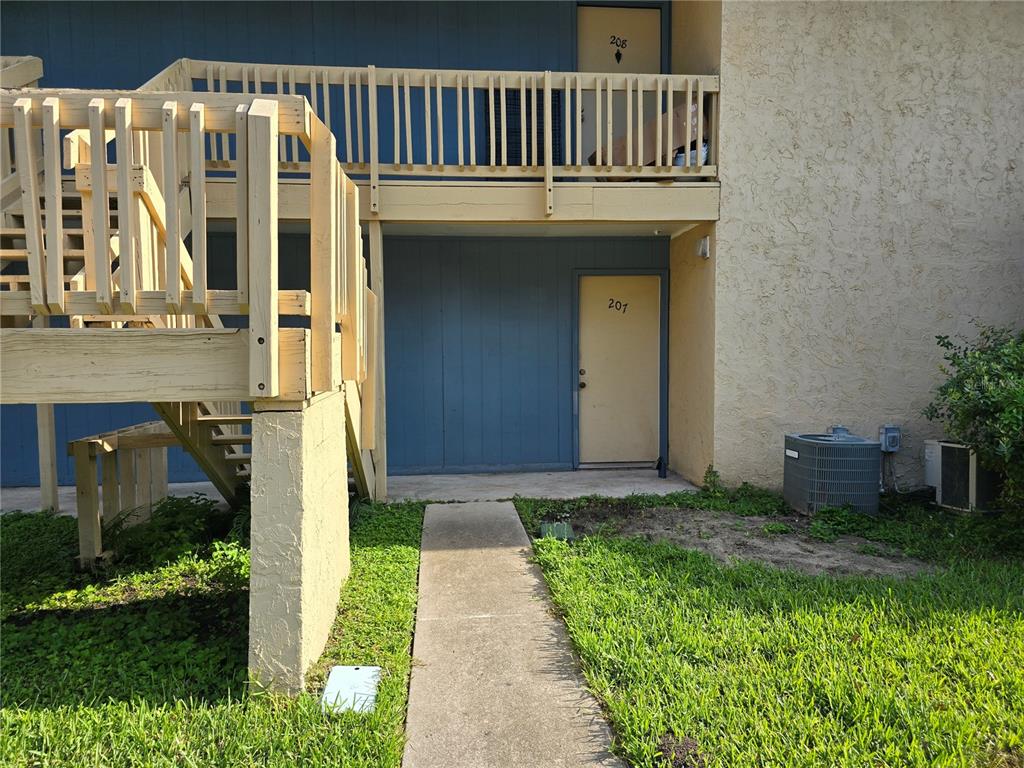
620, 302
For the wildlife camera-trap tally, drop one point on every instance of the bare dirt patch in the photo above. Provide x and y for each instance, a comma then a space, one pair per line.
729, 537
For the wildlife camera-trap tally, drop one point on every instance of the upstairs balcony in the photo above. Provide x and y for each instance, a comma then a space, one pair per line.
490, 147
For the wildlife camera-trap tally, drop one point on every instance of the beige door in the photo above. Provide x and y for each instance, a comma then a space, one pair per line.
619, 368
608, 40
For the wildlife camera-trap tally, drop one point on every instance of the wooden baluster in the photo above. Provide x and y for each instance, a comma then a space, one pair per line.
458, 102
348, 119
549, 185
100, 214
221, 139
257, 81
494, 117
608, 114
340, 181
597, 121
143, 223
214, 157
396, 121
111, 497
670, 134
281, 139
326, 85
314, 101
579, 123
353, 252
659, 121
371, 106
127, 236
408, 120
264, 380
242, 205
640, 124
535, 124
359, 119
126, 479
689, 123
54, 206
426, 120
522, 122
440, 123
504, 126
700, 124
629, 124
197, 125
472, 124
172, 235
25, 159
295, 139
566, 119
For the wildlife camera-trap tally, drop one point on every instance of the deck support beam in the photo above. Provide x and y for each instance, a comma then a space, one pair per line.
300, 544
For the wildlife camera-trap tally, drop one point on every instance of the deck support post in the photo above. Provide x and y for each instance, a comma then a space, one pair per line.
300, 545
47, 442
380, 451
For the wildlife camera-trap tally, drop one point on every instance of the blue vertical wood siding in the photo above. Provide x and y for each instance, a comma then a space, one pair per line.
479, 346
121, 45
19, 458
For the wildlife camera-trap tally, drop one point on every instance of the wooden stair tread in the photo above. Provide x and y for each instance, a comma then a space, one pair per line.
238, 458
231, 439
215, 418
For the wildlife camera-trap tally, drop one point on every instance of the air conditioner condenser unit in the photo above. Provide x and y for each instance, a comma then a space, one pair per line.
960, 482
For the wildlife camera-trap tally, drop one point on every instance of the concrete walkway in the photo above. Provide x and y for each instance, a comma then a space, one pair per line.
494, 682
548, 485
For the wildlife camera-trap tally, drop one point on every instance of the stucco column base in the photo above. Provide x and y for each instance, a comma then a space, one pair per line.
300, 546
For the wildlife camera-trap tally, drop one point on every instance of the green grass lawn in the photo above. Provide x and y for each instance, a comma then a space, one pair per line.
146, 663
703, 664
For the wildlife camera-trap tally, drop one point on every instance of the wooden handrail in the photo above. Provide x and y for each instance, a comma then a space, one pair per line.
628, 139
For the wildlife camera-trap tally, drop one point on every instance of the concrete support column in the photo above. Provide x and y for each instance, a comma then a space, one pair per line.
300, 546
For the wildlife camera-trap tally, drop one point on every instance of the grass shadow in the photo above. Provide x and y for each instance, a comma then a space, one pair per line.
162, 649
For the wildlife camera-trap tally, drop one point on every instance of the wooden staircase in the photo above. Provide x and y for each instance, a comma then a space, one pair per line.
152, 191
215, 434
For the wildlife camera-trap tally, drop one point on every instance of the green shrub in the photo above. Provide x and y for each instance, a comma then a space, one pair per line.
981, 404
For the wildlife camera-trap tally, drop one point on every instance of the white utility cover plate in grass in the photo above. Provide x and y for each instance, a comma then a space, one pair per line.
351, 689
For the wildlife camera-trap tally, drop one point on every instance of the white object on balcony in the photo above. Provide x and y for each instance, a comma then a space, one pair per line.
680, 159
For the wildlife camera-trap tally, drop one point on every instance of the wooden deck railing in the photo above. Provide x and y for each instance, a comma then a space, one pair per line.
132, 263
490, 125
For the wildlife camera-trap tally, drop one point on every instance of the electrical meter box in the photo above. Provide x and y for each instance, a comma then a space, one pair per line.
890, 436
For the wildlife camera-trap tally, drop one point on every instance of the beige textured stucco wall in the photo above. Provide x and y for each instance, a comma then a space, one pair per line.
691, 354
696, 37
872, 165
300, 545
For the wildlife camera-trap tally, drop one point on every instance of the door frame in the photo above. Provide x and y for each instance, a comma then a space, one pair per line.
662, 275
666, 25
